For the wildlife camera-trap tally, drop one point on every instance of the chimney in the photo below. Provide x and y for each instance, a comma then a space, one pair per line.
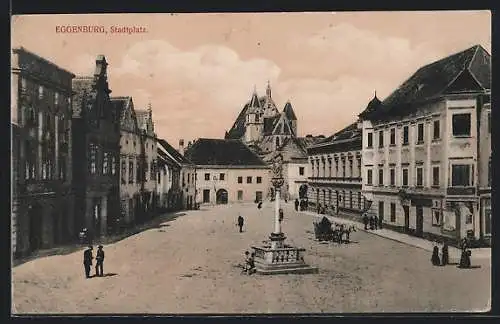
181, 146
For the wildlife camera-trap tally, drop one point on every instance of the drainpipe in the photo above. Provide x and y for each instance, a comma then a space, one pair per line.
479, 105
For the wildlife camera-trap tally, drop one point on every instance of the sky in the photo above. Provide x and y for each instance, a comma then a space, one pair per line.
198, 70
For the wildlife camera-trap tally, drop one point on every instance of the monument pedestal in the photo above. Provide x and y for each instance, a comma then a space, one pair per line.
277, 257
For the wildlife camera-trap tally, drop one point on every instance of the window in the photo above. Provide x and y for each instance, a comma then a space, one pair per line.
350, 199
62, 167
350, 168
277, 141
489, 122
359, 200
436, 217
393, 212
489, 173
152, 171
420, 177
258, 196
40, 92
393, 176
381, 177
240, 179
259, 179
460, 175
436, 130
257, 118
420, 133
487, 219
93, 158
381, 138
301, 171
30, 161
369, 177
56, 98
105, 163
461, 124
370, 140
138, 171
207, 176
405, 177
123, 172
406, 131
393, 136
343, 168
240, 194
435, 176
221, 176
249, 179
130, 172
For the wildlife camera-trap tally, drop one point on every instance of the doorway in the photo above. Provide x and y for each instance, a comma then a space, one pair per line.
97, 219
221, 196
206, 195
380, 213
35, 219
419, 221
406, 210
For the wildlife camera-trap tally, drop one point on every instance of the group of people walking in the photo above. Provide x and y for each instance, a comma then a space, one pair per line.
372, 222
87, 261
440, 254
300, 205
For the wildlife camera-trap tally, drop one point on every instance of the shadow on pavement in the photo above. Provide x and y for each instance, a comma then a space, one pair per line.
157, 222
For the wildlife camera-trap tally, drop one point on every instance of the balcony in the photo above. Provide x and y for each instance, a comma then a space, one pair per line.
460, 191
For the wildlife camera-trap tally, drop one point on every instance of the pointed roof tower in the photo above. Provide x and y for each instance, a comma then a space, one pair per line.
268, 89
288, 110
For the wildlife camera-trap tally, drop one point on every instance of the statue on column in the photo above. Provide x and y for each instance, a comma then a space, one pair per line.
277, 169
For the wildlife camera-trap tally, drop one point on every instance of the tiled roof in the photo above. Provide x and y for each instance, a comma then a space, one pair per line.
173, 152
227, 152
238, 129
310, 140
120, 104
468, 70
346, 133
288, 110
82, 87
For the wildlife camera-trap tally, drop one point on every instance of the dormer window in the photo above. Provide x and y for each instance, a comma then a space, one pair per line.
257, 118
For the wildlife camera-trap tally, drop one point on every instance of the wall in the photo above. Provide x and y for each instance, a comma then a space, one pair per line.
129, 152
230, 182
293, 177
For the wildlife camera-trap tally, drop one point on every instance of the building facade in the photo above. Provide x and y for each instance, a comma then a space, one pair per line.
130, 161
42, 199
168, 175
227, 171
426, 150
96, 142
336, 171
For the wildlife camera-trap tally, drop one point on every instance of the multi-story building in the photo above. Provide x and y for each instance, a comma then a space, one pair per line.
269, 132
336, 172
227, 171
426, 150
42, 200
96, 142
148, 160
130, 160
177, 177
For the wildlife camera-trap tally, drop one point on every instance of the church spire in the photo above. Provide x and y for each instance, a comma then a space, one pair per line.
268, 89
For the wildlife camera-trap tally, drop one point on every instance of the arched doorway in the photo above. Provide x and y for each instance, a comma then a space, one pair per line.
35, 221
221, 196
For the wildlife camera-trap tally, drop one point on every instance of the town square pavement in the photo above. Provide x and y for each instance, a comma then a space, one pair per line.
189, 265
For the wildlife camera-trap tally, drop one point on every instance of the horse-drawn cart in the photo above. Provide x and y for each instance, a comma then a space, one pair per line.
324, 230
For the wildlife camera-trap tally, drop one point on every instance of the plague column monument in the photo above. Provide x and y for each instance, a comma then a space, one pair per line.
278, 257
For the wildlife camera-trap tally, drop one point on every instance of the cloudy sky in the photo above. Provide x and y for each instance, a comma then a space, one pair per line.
198, 70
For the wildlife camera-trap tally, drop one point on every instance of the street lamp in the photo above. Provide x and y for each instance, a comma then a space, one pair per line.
214, 178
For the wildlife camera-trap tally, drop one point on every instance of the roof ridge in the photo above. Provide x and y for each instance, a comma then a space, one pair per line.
469, 66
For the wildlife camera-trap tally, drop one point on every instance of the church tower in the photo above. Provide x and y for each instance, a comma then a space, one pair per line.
270, 109
254, 122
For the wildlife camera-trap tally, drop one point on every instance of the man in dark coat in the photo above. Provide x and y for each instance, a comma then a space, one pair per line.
296, 205
240, 223
435, 256
375, 222
372, 222
99, 258
445, 259
365, 220
87, 261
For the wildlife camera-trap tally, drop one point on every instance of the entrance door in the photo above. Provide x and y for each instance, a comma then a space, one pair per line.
35, 220
380, 213
406, 210
97, 219
206, 195
221, 197
420, 221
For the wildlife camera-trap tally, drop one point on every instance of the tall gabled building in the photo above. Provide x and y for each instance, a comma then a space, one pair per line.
96, 143
427, 150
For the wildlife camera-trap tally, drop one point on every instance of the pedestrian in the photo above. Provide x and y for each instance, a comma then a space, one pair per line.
259, 206
446, 256
87, 260
465, 257
319, 209
99, 261
297, 205
375, 222
365, 221
372, 222
241, 221
435, 255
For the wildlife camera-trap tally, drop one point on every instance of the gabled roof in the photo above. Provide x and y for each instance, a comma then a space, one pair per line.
123, 104
288, 110
178, 157
347, 138
471, 68
227, 152
238, 129
82, 87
